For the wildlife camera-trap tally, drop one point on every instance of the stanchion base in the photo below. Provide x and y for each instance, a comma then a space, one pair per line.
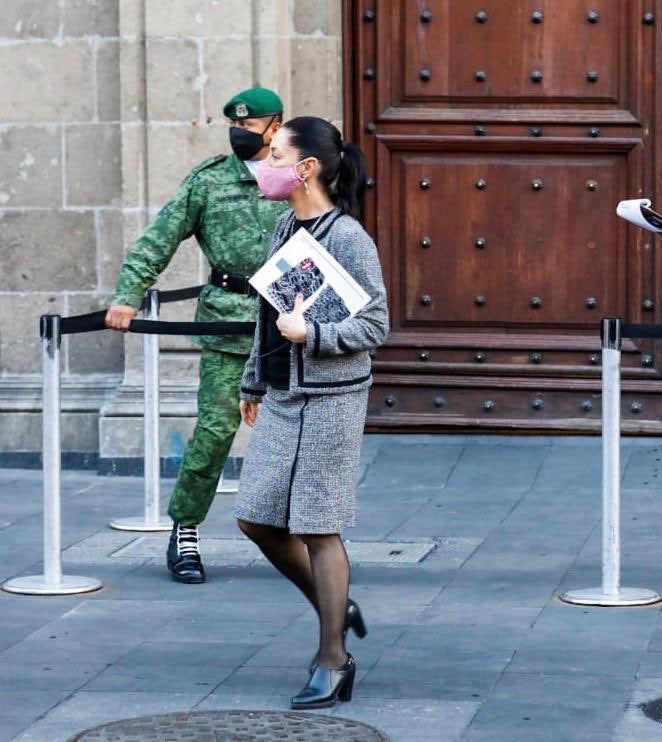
140, 524
37, 585
227, 488
626, 596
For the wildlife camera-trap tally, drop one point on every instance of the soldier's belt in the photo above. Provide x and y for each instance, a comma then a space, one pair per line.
233, 282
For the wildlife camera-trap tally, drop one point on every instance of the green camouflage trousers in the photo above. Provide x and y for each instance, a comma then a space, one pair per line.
208, 448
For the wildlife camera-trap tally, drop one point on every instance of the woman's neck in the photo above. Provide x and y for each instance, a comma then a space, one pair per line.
310, 205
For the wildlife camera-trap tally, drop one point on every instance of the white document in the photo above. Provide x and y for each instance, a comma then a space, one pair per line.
304, 266
639, 212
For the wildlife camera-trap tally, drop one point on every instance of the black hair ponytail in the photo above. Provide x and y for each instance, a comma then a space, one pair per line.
342, 166
351, 182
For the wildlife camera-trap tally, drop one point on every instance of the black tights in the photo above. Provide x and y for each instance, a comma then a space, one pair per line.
318, 566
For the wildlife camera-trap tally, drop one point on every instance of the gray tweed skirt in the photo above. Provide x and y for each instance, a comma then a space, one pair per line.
302, 462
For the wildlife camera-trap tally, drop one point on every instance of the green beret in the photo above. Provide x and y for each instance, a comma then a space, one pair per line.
253, 103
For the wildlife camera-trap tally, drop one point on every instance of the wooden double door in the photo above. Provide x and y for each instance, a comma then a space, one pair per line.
500, 135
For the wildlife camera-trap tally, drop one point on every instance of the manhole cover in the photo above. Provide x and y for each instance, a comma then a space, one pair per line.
653, 709
233, 726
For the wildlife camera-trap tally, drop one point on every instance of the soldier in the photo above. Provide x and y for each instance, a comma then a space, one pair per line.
219, 203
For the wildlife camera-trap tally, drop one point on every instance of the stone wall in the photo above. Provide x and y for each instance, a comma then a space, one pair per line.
106, 106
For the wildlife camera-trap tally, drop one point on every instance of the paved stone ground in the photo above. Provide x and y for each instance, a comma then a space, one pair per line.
468, 644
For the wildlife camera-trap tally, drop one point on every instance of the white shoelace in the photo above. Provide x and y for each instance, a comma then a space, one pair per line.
187, 540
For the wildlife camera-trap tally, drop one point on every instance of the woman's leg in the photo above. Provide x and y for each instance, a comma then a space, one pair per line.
287, 553
330, 569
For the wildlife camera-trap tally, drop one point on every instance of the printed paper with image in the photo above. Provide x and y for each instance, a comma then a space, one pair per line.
303, 266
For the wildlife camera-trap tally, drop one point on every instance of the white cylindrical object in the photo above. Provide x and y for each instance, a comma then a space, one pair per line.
611, 471
52, 581
151, 416
610, 593
51, 452
151, 520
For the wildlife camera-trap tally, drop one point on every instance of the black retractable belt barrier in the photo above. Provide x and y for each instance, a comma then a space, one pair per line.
148, 327
51, 329
166, 297
641, 331
95, 321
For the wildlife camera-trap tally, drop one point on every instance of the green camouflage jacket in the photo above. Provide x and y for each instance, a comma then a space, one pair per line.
219, 203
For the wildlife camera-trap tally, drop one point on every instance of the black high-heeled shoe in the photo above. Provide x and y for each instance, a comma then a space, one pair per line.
354, 621
326, 686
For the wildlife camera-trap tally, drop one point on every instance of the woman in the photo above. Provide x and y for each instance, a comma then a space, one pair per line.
312, 378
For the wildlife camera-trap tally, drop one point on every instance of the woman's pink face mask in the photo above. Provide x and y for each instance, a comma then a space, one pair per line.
278, 183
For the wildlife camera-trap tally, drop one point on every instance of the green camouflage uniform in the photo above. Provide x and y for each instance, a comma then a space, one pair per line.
220, 204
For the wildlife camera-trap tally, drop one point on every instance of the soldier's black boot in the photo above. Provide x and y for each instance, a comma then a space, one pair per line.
184, 560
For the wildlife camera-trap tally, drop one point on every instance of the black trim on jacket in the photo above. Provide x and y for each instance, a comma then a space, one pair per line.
323, 384
316, 346
253, 392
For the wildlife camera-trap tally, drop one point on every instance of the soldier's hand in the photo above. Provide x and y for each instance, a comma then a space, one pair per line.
249, 411
119, 316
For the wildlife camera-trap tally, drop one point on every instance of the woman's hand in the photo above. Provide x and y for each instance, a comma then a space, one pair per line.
249, 411
119, 317
292, 326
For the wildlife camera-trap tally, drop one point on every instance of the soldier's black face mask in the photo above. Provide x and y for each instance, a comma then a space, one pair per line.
246, 144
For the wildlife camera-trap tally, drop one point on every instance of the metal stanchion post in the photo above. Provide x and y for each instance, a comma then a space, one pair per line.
52, 582
152, 520
611, 593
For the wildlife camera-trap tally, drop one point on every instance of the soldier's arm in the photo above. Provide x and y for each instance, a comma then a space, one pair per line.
151, 253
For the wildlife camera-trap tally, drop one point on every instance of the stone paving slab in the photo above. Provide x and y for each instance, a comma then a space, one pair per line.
470, 644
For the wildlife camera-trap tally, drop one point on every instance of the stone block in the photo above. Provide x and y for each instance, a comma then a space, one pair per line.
133, 164
132, 80
93, 162
46, 82
316, 78
174, 80
20, 346
93, 352
175, 150
318, 17
22, 431
80, 431
121, 437
91, 18
179, 368
272, 18
131, 18
108, 80
31, 166
48, 251
133, 225
133, 359
198, 17
29, 18
273, 68
228, 67
110, 247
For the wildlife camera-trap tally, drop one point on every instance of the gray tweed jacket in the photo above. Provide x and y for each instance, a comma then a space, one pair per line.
335, 357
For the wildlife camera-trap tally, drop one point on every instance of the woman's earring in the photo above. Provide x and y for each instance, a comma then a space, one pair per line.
305, 186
